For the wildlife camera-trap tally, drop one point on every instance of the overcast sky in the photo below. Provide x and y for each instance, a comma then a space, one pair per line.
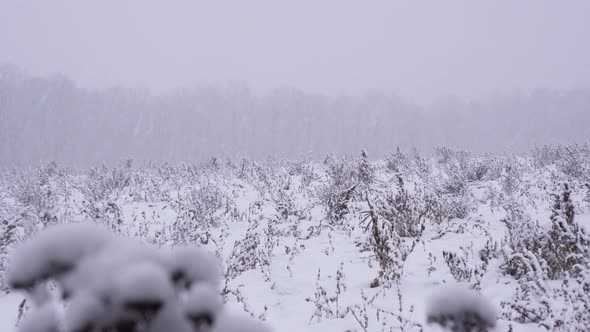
417, 49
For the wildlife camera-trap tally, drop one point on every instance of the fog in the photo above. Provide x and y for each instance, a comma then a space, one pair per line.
85, 82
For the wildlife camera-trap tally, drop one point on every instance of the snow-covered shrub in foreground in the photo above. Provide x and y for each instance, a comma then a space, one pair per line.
461, 310
108, 283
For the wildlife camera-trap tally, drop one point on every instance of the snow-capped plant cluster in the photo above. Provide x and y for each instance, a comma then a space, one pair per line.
459, 309
108, 283
381, 233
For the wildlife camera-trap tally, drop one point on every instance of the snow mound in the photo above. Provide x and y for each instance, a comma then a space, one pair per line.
142, 286
171, 318
55, 251
203, 305
192, 265
238, 323
114, 284
42, 319
459, 308
96, 272
85, 310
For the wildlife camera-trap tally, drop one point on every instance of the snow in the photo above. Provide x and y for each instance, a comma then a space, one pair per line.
281, 265
458, 301
202, 299
96, 272
42, 319
115, 279
141, 283
171, 318
54, 251
193, 265
239, 323
9, 305
84, 310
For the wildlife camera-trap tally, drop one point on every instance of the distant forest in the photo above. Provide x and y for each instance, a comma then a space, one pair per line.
51, 118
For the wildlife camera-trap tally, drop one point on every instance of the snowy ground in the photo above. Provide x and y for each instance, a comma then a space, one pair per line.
291, 260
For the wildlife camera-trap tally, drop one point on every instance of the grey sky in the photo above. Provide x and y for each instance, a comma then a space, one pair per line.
417, 49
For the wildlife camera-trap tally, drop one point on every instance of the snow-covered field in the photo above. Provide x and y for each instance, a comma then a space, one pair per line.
345, 244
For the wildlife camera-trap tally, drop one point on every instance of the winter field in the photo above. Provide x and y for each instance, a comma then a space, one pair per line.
343, 244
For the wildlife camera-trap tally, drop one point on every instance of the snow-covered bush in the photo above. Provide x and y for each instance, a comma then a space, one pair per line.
511, 178
37, 191
478, 170
337, 203
268, 176
101, 189
587, 195
541, 257
339, 190
112, 284
305, 169
327, 301
198, 210
151, 184
401, 212
30, 200
545, 156
458, 265
397, 162
248, 253
526, 239
453, 188
365, 169
104, 184
461, 168
8, 238
568, 243
421, 165
343, 172
390, 248
452, 206
444, 154
573, 160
